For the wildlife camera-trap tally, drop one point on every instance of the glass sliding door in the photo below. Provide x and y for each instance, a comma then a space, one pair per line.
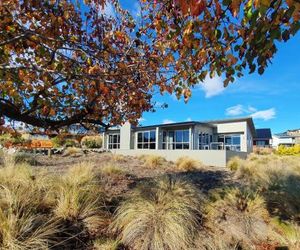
146, 139
178, 139
230, 141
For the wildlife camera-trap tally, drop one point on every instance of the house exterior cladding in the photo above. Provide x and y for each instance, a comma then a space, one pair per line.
288, 138
184, 138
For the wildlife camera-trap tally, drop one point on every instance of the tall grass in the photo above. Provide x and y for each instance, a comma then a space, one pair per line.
39, 209
278, 179
152, 161
187, 164
160, 215
238, 215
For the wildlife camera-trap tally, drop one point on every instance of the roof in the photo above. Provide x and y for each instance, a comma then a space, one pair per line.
263, 133
206, 123
248, 119
174, 124
285, 135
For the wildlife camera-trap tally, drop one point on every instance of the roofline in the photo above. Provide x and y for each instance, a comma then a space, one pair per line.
248, 119
175, 124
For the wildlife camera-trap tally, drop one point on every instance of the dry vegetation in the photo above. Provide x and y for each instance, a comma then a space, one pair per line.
107, 202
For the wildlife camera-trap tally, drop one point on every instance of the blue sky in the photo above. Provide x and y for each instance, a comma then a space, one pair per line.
272, 99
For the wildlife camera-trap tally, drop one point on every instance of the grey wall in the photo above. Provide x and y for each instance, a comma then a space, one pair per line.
207, 157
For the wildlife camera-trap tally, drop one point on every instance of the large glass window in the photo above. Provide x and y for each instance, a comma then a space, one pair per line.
114, 141
146, 139
179, 139
231, 142
204, 140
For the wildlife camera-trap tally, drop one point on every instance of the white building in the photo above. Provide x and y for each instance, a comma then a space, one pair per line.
212, 142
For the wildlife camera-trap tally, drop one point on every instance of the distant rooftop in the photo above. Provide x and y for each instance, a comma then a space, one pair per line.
263, 133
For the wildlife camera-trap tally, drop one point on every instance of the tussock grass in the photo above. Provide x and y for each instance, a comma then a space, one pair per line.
71, 151
118, 158
106, 244
22, 223
112, 170
278, 178
238, 216
160, 215
234, 163
187, 164
80, 198
152, 161
289, 233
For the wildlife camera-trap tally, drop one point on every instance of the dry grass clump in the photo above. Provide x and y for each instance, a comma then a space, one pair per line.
289, 233
278, 178
187, 164
71, 151
39, 209
119, 158
22, 227
24, 202
106, 244
164, 214
80, 198
238, 216
112, 170
234, 163
152, 161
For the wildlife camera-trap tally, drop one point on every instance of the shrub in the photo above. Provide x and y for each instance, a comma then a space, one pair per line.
283, 150
70, 143
160, 215
58, 142
21, 158
152, 161
187, 164
13, 139
92, 141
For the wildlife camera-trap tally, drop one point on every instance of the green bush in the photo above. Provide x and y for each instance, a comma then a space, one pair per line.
13, 139
92, 141
71, 143
20, 158
58, 142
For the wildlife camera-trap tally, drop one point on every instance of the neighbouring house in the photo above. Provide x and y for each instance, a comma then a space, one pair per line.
288, 138
263, 138
211, 142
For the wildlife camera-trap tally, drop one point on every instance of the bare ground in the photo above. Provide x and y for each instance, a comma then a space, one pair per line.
135, 170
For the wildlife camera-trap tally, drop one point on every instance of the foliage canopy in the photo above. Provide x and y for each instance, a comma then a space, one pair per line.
66, 62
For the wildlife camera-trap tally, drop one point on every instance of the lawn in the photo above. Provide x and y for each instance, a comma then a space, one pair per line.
105, 201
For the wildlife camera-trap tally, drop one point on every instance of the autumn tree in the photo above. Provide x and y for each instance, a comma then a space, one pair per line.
66, 62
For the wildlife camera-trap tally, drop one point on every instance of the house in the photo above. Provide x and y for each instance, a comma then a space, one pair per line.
288, 138
263, 138
211, 142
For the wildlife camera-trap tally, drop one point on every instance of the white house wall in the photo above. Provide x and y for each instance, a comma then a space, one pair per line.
235, 128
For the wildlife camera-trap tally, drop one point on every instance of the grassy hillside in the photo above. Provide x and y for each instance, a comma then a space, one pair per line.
105, 201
